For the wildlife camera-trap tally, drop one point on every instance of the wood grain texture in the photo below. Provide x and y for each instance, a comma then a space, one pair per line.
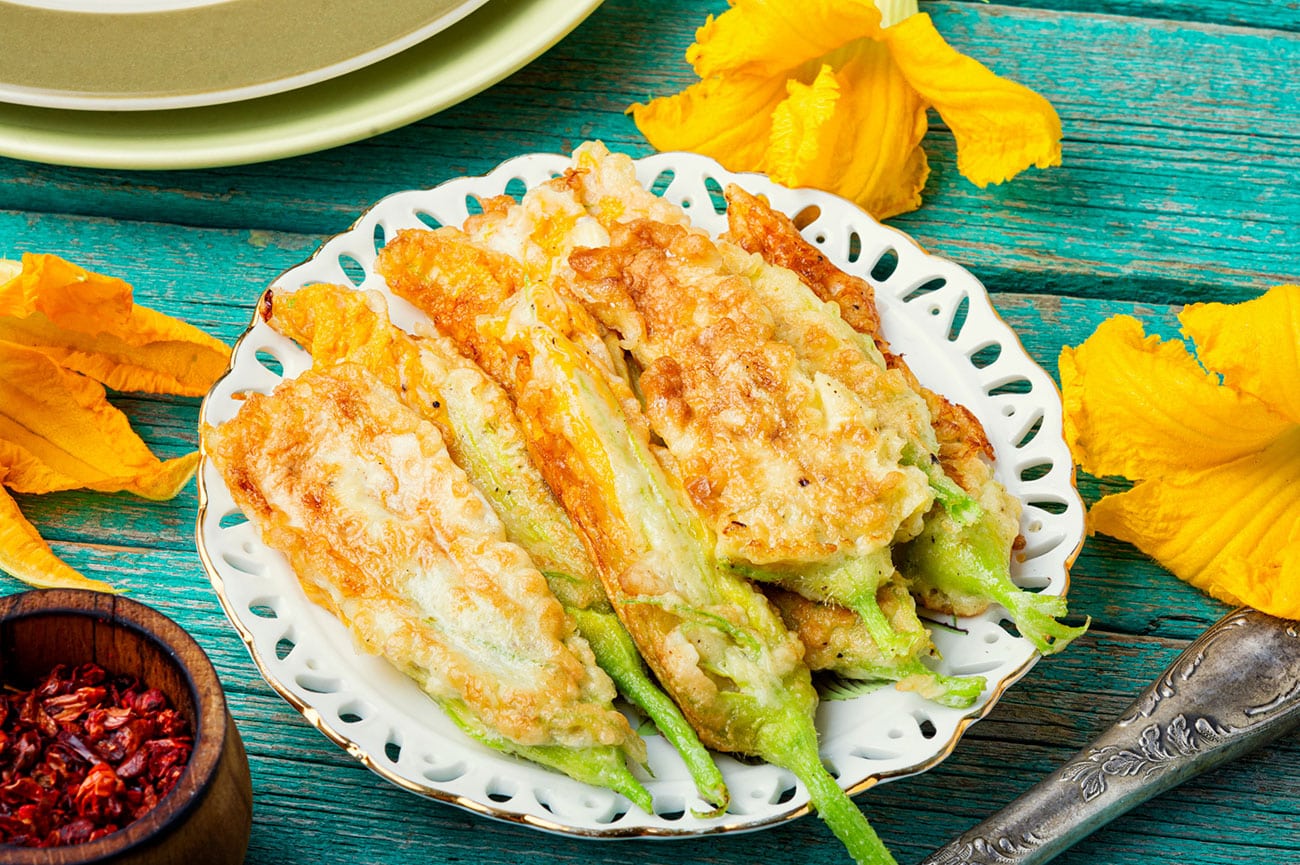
1180, 183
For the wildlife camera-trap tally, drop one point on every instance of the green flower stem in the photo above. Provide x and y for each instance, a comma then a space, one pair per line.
795, 748
601, 766
971, 561
617, 655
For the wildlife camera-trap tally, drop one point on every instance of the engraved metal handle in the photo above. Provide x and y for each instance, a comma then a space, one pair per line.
1235, 688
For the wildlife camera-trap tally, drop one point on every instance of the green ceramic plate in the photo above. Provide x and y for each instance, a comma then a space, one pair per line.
161, 54
452, 65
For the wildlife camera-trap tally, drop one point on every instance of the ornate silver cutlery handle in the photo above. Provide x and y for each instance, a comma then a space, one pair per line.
1235, 688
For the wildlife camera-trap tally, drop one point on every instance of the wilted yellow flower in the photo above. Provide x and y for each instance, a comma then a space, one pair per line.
1213, 441
833, 95
64, 333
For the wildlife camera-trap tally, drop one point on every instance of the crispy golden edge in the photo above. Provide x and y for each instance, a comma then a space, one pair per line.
741, 417
756, 227
432, 272
271, 432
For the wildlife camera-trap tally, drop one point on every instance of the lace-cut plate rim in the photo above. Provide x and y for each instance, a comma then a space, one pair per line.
934, 313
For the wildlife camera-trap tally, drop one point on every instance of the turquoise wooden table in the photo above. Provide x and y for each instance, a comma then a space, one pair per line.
1180, 183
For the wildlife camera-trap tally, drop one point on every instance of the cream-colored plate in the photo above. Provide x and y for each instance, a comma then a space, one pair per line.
147, 55
454, 64
934, 312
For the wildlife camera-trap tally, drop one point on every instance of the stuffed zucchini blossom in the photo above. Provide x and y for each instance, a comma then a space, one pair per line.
833, 94
1213, 442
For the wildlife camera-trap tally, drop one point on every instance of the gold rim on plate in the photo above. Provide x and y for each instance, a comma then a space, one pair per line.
933, 311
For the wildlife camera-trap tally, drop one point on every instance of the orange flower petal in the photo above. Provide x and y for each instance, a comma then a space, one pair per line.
159, 355
1140, 407
855, 131
1001, 127
88, 323
68, 295
1231, 530
58, 431
770, 37
24, 554
729, 119
1235, 340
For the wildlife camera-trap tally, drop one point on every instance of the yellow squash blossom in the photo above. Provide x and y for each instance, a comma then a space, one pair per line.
833, 94
1213, 442
65, 333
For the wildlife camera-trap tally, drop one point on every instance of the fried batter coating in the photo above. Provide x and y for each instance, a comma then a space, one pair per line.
835, 639
838, 641
783, 466
716, 644
953, 567
473, 415
477, 421
756, 227
386, 533
589, 439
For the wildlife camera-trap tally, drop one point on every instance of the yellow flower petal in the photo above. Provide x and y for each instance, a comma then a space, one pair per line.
797, 125
1001, 127
88, 323
58, 432
1278, 590
68, 295
159, 355
1255, 345
1230, 530
729, 119
856, 131
771, 37
1139, 407
24, 554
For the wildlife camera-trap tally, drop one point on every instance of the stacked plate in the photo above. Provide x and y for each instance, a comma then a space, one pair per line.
199, 83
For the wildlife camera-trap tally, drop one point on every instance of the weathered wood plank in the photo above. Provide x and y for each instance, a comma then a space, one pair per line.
1196, 195
1210, 160
1180, 184
1112, 582
302, 782
1261, 14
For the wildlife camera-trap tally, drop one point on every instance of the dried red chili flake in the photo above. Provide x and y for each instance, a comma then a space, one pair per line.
83, 754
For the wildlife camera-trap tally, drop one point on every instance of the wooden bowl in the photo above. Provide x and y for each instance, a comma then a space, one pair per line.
207, 816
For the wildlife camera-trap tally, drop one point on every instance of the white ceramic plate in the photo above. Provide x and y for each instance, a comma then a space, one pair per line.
148, 55
934, 313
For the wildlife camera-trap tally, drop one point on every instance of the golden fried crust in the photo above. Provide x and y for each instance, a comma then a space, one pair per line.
757, 228
754, 226
634, 572
607, 185
455, 283
493, 207
430, 376
835, 638
963, 444
780, 465
387, 533
590, 440
539, 231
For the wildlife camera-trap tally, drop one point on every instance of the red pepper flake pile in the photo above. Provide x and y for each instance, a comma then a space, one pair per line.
83, 754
